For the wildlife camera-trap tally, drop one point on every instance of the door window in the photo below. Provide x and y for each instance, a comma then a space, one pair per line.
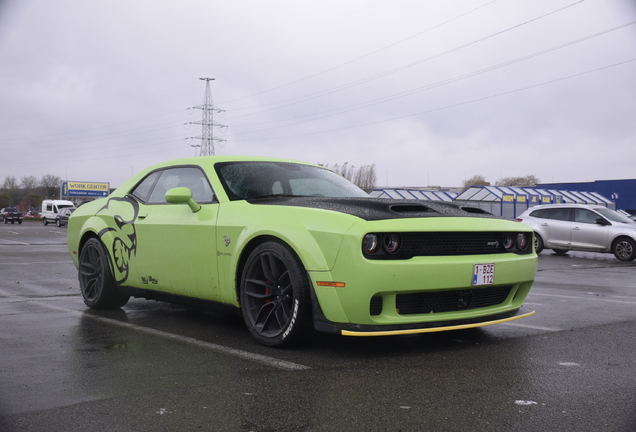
152, 190
585, 216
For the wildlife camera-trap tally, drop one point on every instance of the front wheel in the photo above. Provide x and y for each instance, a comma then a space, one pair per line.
538, 243
624, 249
275, 298
58, 223
97, 284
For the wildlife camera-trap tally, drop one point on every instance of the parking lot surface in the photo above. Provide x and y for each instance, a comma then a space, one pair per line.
160, 367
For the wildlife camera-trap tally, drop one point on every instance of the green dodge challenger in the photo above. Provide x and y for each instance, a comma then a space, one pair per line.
295, 248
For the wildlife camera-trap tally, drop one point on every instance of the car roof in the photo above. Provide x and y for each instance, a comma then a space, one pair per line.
588, 206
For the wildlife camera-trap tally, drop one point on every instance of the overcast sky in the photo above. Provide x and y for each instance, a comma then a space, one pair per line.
432, 92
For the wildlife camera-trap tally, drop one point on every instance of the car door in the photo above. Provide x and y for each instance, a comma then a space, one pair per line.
555, 227
586, 233
176, 247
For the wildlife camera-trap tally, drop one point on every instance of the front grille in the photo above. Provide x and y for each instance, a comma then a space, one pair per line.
450, 301
413, 244
451, 243
375, 307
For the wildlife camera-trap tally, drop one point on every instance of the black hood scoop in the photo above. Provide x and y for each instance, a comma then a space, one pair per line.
373, 208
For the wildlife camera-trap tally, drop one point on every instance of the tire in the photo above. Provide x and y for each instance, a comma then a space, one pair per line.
275, 296
58, 223
44, 221
624, 249
560, 251
97, 284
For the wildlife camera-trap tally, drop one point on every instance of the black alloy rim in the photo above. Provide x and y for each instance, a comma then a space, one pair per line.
269, 294
91, 272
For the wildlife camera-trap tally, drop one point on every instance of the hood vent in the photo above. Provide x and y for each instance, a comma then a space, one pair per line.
412, 208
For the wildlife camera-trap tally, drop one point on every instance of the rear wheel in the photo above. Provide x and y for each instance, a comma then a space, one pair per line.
624, 249
44, 221
57, 222
97, 284
275, 298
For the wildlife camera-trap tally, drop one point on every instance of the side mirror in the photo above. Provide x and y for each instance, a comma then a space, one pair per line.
181, 195
602, 221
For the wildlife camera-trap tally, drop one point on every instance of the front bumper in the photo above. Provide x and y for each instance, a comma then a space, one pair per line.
428, 327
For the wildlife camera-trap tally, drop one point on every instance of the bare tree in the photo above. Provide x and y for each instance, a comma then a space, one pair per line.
526, 181
364, 177
476, 180
50, 185
29, 183
10, 183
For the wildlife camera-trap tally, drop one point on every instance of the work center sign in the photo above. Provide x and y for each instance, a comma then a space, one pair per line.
85, 189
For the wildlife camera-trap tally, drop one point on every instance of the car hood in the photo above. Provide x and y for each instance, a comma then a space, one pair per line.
371, 209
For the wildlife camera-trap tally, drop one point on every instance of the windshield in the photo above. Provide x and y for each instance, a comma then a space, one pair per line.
613, 216
244, 180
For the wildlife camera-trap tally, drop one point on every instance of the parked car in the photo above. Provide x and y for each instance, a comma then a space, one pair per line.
10, 214
294, 248
62, 216
50, 209
580, 227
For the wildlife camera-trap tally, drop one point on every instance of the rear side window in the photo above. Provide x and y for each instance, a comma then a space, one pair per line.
538, 213
558, 214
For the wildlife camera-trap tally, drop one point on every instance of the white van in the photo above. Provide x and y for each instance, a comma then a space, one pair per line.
50, 209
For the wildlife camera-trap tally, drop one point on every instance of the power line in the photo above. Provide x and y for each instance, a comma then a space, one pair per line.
451, 106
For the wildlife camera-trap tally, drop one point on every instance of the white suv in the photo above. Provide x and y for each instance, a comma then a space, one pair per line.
591, 228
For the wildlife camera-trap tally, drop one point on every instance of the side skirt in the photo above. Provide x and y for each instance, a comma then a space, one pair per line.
182, 300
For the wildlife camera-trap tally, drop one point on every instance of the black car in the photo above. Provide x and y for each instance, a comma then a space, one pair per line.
62, 217
10, 214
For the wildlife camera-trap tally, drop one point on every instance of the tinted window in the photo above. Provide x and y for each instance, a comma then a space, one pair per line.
585, 216
244, 180
558, 214
613, 215
538, 213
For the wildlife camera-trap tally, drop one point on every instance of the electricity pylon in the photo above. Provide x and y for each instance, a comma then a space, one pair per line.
207, 137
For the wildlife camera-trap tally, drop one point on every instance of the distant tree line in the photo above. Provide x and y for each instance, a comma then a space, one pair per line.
29, 189
525, 181
364, 177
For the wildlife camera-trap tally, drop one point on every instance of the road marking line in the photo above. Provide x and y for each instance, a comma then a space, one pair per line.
13, 241
257, 358
41, 262
584, 298
550, 329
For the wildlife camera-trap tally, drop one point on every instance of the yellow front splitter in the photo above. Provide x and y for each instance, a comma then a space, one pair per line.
436, 329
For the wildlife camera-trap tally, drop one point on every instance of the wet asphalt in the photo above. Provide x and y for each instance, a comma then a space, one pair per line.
158, 367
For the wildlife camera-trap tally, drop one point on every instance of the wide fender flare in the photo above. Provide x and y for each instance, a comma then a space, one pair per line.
317, 250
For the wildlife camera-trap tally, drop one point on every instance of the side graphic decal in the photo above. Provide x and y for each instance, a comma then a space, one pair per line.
120, 215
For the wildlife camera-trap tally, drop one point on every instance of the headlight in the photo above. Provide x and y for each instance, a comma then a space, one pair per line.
391, 243
508, 241
370, 243
523, 240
